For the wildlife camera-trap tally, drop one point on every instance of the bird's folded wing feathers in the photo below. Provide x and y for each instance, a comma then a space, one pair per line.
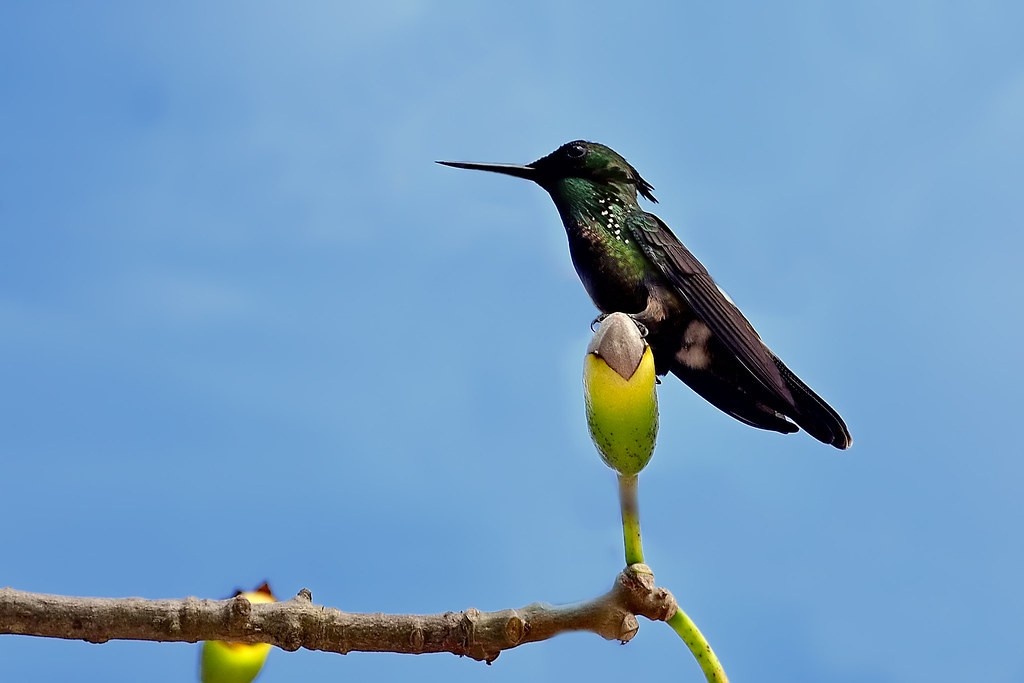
708, 302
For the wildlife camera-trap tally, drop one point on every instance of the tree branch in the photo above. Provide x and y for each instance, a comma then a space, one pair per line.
299, 622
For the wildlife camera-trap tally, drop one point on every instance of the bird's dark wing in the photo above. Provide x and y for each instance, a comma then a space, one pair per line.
708, 302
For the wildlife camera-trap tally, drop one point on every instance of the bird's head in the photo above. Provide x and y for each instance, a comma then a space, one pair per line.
590, 161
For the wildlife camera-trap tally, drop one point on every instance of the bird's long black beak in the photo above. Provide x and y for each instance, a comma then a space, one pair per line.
527, 172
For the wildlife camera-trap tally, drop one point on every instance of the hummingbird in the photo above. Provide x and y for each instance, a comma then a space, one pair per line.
630, 262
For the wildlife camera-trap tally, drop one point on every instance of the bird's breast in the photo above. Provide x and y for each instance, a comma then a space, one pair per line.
612, 268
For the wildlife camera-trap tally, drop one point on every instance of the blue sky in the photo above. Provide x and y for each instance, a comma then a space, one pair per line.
248, 329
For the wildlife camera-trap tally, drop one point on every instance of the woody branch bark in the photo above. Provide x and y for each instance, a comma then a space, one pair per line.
299, 623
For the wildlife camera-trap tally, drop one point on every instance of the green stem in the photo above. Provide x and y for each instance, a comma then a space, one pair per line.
680, 622
630, 519
702, 652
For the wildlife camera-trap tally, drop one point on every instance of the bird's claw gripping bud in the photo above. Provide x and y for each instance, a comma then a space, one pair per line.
604, 316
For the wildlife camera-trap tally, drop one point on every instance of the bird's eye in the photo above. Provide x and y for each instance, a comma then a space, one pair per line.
576, 151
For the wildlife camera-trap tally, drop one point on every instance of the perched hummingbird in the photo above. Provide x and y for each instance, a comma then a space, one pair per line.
629, 261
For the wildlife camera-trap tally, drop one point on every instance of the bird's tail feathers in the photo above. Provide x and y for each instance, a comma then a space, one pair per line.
813, 414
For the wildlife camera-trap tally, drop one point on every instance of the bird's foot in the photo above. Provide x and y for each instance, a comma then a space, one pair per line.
601, 318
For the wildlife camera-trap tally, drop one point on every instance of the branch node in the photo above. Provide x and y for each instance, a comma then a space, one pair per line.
471, 647
416, 638
641, 574
636, 587
666, 603
239, 609
515, 629
628, 628
468, 626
